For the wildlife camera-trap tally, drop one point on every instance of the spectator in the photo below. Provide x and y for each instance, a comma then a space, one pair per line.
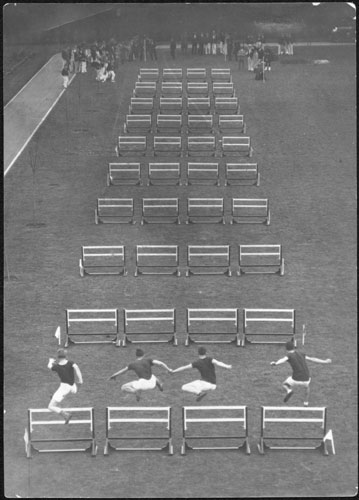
173, 48
207, 44
184, 43
65, 75
194, 44
242, 56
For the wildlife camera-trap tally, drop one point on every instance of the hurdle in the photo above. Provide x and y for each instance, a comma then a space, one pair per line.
102, 260
202, 173
148, 74
160, 211
250, 211
131, 144
205, 210
197, 89
226, 105
292, 418
123, 415
237, 415
209, 322
236, 146
199, 145
171, 89
154, 323
208, 259
241, 174
169, 123
137, 123
145, 89
92, 323
196, 74
221, 75
171, 105
141, 105
124, 173
114, 211
223, 89
260, 259
167, 145
171, 74
164, 174
198, 105
157, 259
86, 419
232, 122
264, 323
200, 123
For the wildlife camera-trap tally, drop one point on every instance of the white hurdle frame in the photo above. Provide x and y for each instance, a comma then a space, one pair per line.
202, 145
156, 252
256, 252
196, 169
148, 74
138, 420
141, 105
164, 173
194, 316
234, 171
111, 316
171, 89
137, 123
171, 74
232, 122
263, 315
124, 205
166, 123
107, 257
204, 204
29, 440
164, 211
254, 205
200, 123
145, 89
223, 89
167, 145
129, 174
236, 146
200, 420
171, 105
221, 75
196, 74
131, 145
197, 89
321, 419
203, 252
198, 105
226, 105
148, 315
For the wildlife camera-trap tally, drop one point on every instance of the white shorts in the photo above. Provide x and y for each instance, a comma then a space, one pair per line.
297, 383
142, 384
198, 386
63, 391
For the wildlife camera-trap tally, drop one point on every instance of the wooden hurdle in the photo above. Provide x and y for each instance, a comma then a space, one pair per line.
198, 105
236, 146
208, 259
164, 174
141, 105
171, 74
160, 210
233, 123
204, 145
272, 323
157, 259
131, 145
148, 74
250, 211
226, 105
197, 89
171, 89
240, 418
196, 74
260, 259
205, 210
88, 420
124, 173
202, 173
288, 417
167, 145
171, 105
241, 174
221, 75
145, 89
223, 89
112, 417
88, 323
200, 123
103, 260
137, 124
169, 123
114, 211
151, 323
212, 322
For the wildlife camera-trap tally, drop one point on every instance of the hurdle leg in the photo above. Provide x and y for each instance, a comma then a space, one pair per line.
82, 270
96, 217
268, 218
281, 269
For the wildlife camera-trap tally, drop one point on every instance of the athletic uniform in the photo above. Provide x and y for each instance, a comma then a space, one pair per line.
143, 369
300, 376
206, 368
66, 373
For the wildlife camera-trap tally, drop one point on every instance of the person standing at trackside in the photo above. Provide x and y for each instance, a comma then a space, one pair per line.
206, 367
242, 56
143, 369
65, 72
301, 375
173, 48
69, 372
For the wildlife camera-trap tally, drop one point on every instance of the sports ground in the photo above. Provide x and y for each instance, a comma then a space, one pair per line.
302, 124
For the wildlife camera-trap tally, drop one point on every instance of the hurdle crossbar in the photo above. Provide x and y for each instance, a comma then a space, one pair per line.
160, 210
169, 123
157, 259
208, 259
232, 122
30, 439
114, 211
171, 105
145, 89
241, 419
221, 75
236, 146
132, 144
196, 74
260, 259
200, 123
164, 173
172, 89
223, 89
171, 74
226, 105
137, 123
250, 211
141, 105
95, 318
202, 173
146, 317
242, 174
218, 318
100, 260
205, 210
198, 105
124, 173
281, 321
148, 74
167, 145
196, 89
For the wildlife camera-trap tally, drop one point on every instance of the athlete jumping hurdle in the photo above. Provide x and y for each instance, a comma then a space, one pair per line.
143, 369
68, 371
206, 367
301, 375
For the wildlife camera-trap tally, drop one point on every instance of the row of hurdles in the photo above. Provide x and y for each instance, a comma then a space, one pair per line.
201, 325
191, 74
177, 89
189, 105
151, 429
164, 260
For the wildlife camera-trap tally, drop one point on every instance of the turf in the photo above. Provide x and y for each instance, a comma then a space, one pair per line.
302, 125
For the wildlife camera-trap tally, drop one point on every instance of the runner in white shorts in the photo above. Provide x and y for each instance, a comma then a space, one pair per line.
143, 369
206, 367
300, 376
67, 371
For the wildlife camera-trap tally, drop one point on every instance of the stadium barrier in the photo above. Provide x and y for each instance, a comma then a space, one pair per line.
157, 259
92, 323
236, 146
171, 105
171, 89
229, 416
100, 260
209, 322
231, 123
200, 123
226, 105
149, 74
164, 174
169, 123
171, 74
196, 74
160, 210
124, 173
167, 145
131, 145
145, 89
198, 105
201, 145
84, 420
221, 75
141, 105
250, 211
261, 259
197, 89
205, 210
223, 89
154, 323
272, 323
241, 174
208, 259
114, 211
286, 421
202, 173
134, 416
137, 124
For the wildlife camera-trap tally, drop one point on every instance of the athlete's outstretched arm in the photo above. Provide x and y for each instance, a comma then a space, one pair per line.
223, 365
118, 373
160, 363
51, 363
78, 374
280, 361
181, 368
317, 360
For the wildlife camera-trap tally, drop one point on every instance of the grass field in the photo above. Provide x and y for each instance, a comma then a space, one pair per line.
302, 125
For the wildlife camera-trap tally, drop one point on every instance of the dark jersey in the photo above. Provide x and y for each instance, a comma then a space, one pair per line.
299, 366
66, 372
206, 368
142, 368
